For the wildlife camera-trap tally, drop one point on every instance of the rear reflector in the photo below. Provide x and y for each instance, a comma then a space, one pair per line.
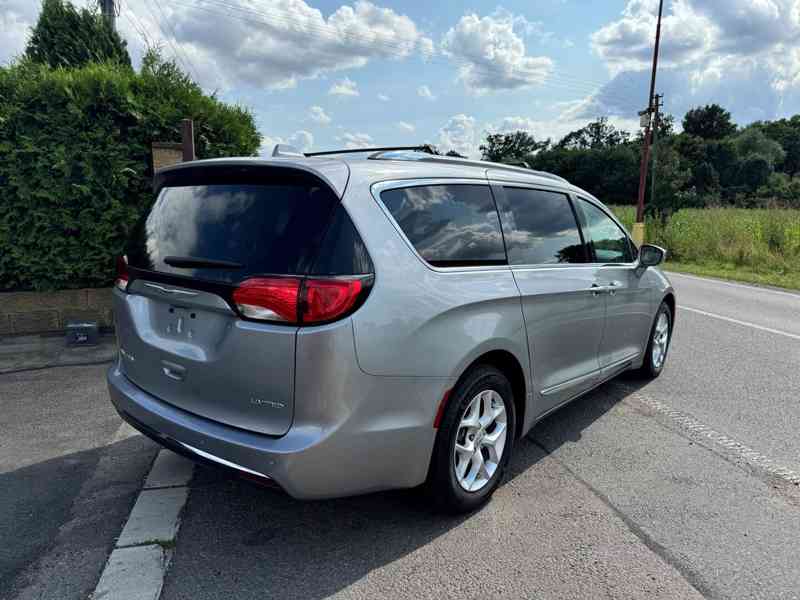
297, 300
123, 277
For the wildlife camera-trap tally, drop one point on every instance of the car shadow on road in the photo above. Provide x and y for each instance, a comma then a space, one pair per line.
262, 543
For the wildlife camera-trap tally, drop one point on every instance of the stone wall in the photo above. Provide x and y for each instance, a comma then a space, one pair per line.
46, 312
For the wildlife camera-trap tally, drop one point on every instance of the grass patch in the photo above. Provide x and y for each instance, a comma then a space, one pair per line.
752, 245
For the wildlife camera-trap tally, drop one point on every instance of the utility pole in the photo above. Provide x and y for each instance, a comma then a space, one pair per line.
658, 103
109, 12
638, 227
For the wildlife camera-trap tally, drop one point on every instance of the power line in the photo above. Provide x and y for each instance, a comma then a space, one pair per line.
175, 36
551, 79
175, 52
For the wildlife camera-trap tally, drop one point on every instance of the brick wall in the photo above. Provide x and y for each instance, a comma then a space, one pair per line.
44, 312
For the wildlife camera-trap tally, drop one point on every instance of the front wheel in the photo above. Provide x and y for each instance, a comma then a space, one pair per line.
474, 442
658, 344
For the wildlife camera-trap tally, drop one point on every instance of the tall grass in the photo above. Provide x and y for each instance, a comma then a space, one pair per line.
765, 241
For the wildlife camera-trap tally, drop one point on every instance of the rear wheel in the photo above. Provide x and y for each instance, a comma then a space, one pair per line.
474, 442
658, 345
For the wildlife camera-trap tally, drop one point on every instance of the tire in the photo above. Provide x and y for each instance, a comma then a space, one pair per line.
657, 344
482, 387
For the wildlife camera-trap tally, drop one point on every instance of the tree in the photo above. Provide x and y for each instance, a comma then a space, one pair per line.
754, 171
454, 154
597, 134
511, 147
753, 141
65, 36
710, 122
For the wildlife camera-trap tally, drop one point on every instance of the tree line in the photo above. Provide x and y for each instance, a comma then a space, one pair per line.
711, 162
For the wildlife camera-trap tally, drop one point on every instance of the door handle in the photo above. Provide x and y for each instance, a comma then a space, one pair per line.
610, 288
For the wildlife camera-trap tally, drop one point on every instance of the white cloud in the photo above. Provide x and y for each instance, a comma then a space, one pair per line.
460, 134
492, 55
355, 140
383, 98
318, 115
424, 91
344, 87
740, 53
301, 139
406, 126
266, 44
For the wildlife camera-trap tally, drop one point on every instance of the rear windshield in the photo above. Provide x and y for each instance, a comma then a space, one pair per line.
259, 229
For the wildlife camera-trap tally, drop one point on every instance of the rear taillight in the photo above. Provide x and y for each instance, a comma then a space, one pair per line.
297, 300
123, 277
269, 299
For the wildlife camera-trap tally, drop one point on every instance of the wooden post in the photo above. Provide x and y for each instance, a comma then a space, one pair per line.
187, 133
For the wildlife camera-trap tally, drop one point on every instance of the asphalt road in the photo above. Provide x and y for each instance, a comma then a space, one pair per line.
677, 488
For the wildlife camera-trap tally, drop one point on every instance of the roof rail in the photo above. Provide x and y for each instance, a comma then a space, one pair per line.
452, 160
423, 148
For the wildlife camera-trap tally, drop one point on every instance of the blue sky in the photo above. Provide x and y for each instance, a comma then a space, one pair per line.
327, 74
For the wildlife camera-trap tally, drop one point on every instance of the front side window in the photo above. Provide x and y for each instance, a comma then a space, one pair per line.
449, 225
607, 240
540, 227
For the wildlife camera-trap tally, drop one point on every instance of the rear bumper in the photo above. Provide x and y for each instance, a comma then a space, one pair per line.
381, 439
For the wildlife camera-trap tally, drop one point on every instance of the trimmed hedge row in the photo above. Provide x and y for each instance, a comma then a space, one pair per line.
76, 166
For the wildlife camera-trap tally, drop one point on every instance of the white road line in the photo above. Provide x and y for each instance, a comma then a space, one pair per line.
727, 445
137, 566
745, 286
794, 336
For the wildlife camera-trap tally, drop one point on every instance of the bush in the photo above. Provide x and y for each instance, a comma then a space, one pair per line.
75, 162
760, 240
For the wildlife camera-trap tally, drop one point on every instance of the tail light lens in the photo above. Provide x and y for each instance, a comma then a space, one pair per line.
296, 300
269, 299
123, 277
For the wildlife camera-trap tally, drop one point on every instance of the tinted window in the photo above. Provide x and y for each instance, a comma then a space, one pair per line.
449, 225
264, 228
342, 251
540, 228
609, 242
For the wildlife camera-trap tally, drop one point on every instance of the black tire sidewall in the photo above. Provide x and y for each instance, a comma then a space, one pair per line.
447, 492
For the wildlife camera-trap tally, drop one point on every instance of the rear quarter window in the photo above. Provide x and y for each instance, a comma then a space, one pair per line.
449, 225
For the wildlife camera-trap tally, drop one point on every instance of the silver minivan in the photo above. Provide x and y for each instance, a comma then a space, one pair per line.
341, 323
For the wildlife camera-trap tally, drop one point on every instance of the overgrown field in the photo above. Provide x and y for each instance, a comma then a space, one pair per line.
756, 245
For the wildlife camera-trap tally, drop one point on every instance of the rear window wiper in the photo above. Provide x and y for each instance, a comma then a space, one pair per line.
193, 262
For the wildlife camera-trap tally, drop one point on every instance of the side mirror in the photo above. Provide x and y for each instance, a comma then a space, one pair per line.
651, 256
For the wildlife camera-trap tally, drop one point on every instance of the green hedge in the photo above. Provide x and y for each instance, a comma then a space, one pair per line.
76, 167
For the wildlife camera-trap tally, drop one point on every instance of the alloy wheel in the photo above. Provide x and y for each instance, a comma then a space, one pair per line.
660, 340
480, 440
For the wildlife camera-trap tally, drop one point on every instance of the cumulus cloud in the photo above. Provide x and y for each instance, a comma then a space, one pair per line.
344, 87
491, 53
318, 115
740, 53
353, 141
424, 91
301, 139
460, 134
272, 45
406, 126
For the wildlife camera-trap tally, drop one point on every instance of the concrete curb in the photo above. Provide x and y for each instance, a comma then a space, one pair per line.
137, 566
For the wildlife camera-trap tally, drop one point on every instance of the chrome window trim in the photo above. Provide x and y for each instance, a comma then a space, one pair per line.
377, 188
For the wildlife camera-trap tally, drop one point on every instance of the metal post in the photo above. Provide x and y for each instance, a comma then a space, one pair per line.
638, 229
187, 134
656, 114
